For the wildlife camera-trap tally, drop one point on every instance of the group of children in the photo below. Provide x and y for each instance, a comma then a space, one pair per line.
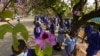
70, 41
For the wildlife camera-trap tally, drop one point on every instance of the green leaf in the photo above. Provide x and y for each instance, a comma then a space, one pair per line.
37, 49
48, 50
15, 41
4, 29
6, 14
21, 28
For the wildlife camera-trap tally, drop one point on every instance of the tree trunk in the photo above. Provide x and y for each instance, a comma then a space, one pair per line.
76, 26
61, 19
77, 13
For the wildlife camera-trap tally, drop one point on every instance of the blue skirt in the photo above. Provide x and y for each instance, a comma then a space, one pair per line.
60, 38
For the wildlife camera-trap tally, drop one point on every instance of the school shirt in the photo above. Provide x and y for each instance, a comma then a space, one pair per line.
37, 31
62, 29
39, 20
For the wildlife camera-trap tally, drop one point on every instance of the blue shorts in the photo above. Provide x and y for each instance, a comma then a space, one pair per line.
91, 51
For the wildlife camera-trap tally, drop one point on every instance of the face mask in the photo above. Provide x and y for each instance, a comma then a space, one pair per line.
23, 54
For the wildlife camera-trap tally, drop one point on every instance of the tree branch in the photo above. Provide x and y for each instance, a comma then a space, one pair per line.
96, 5
6, 5
30, 9
58, 14
85, 18
85, 2
54, 10
10, 23
89, 16
79, 8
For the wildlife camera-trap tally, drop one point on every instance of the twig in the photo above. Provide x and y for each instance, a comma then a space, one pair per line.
10, 23
6, 5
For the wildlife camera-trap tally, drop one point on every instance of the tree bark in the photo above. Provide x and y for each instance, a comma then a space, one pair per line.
85, 18
96, 5
89, 16
78, 7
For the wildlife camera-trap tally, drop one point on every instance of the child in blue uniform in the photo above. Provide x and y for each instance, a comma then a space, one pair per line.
45, 21
61, 35
93, 44
70, 44
52, 27
68, 24
23, 50
37, 30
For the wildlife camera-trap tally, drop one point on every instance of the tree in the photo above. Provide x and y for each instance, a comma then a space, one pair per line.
75, 7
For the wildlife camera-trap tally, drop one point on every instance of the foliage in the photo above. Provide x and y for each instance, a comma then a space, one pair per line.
47, 51
57, 5
23, 31
6, 14
74, 2
14, 30
4, 29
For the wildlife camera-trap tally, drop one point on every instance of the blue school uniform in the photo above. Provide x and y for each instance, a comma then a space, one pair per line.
94, 43
37, 31
44, 20
61, 36
70, 43
52, 28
